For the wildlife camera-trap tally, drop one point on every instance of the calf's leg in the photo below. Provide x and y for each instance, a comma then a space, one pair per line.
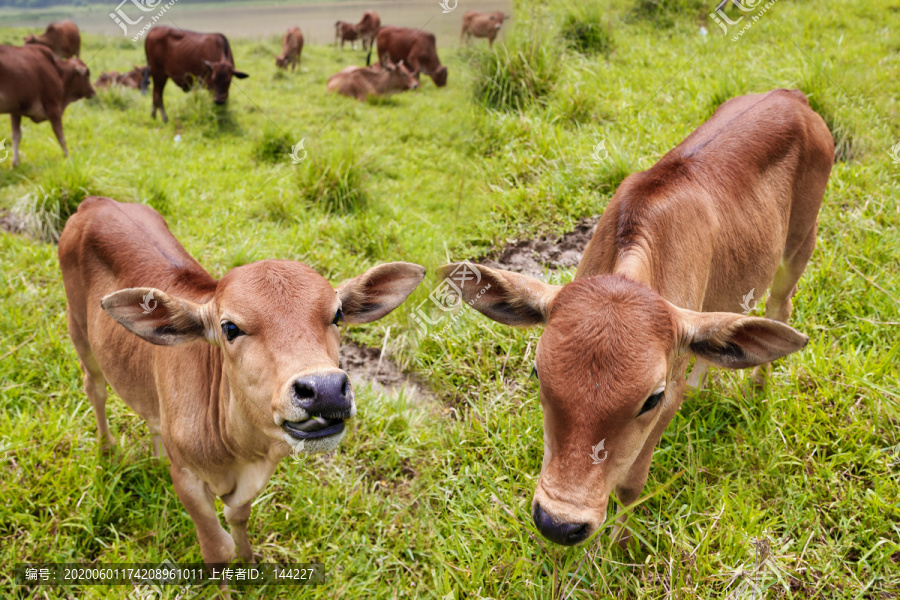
56, 123
237, 519
158, 84
94, 383
216, 545
784, 287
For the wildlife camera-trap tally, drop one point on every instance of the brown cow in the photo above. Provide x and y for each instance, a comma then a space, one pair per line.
131, 79
377, 80
416, 48
481, 25
368, 27
187, 57
107, 79
731, 209
37, 85
62, 38
345, 32
291, 47
232, 375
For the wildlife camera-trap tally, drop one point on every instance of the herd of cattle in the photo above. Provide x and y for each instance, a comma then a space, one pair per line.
50, 75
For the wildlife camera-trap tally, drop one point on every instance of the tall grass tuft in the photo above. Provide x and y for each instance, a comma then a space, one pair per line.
273, 146
514, 75
846, 143
200, 113
116, 97
44, 211
583, 30
335, 180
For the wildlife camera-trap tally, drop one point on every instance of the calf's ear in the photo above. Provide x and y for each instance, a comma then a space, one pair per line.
156, 316
735, 341
241, 75
378, 291
506, 297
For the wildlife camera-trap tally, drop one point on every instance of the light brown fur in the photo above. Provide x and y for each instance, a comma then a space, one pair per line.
217, 408
730, 209
291, 48
481, 25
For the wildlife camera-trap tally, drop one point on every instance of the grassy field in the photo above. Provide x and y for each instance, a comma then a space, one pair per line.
430, 497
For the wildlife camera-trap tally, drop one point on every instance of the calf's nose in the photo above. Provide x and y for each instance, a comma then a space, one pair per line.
326, 395
565, 534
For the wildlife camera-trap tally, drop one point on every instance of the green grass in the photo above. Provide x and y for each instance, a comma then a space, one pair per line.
431, 497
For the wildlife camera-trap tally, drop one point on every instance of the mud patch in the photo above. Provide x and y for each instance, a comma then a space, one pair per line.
534, 257
11, 223
366, 365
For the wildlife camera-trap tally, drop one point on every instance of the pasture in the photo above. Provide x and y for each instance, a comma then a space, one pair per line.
429, 494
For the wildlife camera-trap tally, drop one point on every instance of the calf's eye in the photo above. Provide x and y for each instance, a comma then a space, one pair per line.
231, 331
338, 317
651, 402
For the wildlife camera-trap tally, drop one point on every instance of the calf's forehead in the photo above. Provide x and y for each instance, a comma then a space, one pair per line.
606, 338
286, 289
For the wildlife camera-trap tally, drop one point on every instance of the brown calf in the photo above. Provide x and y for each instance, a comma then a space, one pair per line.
291, 47
232, 375
368, 27
188, 57
62, 38
345, 32
416, 48
481, 25
37, 85
377, 80
731, 209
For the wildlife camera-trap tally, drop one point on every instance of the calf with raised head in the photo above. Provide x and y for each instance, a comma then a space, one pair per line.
232, 375
291, 47
188, 57
378, 80
345, 32
135, 78
733, 208
481, 25
62, 38
368, 27
416, 48
37, 85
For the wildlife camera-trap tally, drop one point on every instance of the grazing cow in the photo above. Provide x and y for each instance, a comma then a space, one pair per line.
62, 38
291, 47
731, 209
481, 25
368, 27
232, 375
37, 85
345, 32
377, 80
415, 47
187, 57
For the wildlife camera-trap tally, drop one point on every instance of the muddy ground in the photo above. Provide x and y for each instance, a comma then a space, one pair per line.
366, 365
534, 257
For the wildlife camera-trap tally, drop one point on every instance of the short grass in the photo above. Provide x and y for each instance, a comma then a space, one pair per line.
431, 499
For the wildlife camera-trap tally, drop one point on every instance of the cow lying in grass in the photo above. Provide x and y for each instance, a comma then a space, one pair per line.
232, 375
378, 80
732, 208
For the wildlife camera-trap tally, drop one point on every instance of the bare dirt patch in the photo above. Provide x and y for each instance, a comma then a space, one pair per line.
11, 223
366, 365
534, 257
